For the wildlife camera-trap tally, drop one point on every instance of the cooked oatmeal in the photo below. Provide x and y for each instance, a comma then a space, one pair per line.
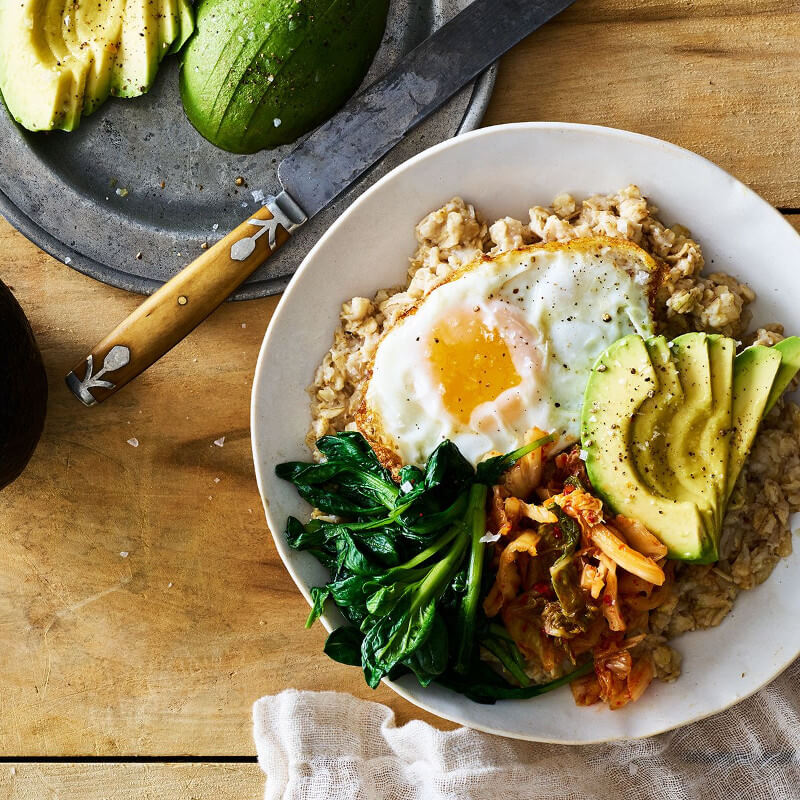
757, 531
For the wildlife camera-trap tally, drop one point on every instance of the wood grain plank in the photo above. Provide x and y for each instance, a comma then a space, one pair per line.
716, 77
162, 651
130, 781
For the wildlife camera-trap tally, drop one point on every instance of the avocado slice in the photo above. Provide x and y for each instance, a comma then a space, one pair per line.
754, 373
685, 459
60, 61
652, 421
715, 443
790, 364
621, 380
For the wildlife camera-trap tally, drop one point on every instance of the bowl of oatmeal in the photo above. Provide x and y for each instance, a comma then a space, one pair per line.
725, 255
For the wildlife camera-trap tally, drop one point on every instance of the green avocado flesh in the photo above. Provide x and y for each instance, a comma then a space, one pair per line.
60, 61
667, 428
260, 73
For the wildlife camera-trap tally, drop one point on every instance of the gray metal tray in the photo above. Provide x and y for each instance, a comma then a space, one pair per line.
131, 196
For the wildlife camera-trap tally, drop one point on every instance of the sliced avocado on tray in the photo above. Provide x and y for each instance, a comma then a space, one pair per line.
667, 428
59, 62
260, 73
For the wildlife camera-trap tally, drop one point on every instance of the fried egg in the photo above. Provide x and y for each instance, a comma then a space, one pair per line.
503, 346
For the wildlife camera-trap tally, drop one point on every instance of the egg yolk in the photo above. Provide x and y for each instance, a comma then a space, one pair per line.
471, 363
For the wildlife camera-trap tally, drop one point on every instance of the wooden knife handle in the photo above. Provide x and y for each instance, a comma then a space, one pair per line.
181, 304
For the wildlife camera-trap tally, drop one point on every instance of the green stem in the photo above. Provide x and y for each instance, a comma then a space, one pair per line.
507, 658
430, 588
476, 518
440, 575
431, 550
516, 455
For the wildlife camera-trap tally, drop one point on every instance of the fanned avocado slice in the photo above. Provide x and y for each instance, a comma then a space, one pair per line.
754, 373
715, 442
685, 459
790, 364
649, 433
620, 382
674, 423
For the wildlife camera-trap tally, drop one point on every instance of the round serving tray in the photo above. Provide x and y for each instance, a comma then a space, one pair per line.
131, 197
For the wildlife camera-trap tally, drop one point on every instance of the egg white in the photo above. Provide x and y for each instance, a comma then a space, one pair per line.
556, 307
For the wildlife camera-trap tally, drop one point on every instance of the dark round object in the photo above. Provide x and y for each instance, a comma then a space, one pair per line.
23, 389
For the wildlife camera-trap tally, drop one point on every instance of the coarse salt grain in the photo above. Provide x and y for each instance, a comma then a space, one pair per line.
123, 554
276, 122
258, 195
67, 260
407, 486
216, 480
244, 324
219, 442
583, 455
215, 226
133, 441
488, 538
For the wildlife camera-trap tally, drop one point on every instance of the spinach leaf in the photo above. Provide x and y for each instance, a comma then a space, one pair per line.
350, 482
344, 645
429, 660
352, 447
319, 594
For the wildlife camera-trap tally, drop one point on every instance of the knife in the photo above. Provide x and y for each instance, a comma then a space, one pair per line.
311, 176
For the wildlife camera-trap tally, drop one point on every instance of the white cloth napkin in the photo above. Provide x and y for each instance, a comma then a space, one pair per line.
332, 746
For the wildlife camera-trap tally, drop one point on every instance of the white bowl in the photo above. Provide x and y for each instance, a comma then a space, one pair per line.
503, 171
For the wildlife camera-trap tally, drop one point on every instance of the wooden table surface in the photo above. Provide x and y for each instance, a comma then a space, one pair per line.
143, 606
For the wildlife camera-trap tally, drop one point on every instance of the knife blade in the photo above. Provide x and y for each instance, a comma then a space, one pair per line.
311, 176
373, 122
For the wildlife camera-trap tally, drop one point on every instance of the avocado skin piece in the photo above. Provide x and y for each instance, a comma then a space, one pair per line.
60, 62
620, 382
260, 73
754, 373
23, 389
790, 363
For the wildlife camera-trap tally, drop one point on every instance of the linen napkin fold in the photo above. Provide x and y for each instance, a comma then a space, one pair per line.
332, 746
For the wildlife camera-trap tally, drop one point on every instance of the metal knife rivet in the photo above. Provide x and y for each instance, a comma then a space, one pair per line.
182, 300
